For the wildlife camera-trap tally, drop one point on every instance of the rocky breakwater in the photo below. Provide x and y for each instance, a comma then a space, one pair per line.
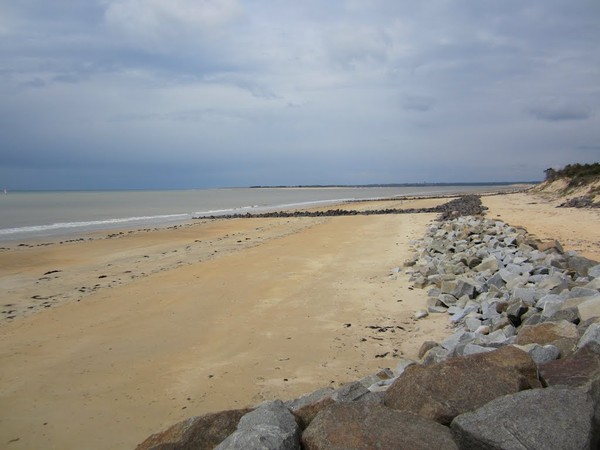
521, 370
468, 204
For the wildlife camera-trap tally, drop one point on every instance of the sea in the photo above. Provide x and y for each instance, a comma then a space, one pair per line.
34, 214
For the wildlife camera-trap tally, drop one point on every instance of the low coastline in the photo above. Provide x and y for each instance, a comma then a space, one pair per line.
348, 261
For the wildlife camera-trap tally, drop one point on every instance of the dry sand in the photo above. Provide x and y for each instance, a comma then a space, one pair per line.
575, 229
146, 328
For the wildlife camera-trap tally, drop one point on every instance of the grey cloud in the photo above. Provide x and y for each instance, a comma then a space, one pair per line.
560, 111
381, 90
418, 103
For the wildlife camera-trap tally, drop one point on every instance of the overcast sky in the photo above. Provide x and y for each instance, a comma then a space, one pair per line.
206, 93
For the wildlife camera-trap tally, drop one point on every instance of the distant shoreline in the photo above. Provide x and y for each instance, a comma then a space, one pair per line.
392, 185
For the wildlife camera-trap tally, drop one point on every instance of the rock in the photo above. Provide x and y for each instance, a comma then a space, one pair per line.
528, 296
473, 349
554, 284
358, 426
562, 334
589, 308
382, 375
592, 334
306, 407
202, 432
436, 355
514, 312
534, 419
533, 319
490, 264
271, 426
594, 271
585, 201
426, 346
577, 369
483, 329
472, 323
496, 280
420, 314
457, 338
349, 392
579, 291
438, 391
551, 307
594, 284
549, 245
458, 287
540, 353
580, 265
568, 314
305, 414
447, 299
403, 363
309, 399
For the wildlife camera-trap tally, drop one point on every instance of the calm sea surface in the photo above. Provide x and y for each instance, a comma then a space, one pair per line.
25, 215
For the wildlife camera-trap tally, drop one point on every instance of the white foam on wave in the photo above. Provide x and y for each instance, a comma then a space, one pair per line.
91, 224
222, 212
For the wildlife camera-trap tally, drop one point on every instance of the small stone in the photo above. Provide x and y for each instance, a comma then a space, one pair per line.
483, 329
426, 346
420, 314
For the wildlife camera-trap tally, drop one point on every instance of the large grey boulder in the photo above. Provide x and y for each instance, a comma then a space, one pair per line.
199, 433
271, 426
459, 287
349, 392
589, 308
580, 265
444, 390
594, 271
557, 418
561, 334
345, 426
592, 334
540, 353
578, 369
306, 407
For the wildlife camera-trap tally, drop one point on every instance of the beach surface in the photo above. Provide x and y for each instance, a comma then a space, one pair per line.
106, 340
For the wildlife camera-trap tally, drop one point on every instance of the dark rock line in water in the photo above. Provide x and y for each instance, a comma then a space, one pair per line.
465, 205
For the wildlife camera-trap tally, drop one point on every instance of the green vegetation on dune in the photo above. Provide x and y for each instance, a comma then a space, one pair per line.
576, 174
577, 184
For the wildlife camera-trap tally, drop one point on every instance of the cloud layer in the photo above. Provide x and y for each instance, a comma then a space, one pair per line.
190, 93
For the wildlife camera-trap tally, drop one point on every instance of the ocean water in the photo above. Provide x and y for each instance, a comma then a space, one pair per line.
27, 215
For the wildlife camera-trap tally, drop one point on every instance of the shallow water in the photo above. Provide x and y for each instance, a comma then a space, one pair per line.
25, 215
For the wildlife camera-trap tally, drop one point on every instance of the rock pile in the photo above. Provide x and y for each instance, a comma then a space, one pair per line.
502, 287
468, 204
521, 371
585, 201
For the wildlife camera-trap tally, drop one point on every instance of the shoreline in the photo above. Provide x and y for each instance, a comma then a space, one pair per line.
70, 227
276, 315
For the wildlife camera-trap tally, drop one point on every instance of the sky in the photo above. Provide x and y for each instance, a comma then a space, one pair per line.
142, 94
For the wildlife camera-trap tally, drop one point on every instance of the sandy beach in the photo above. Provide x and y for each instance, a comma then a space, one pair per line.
109, 339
